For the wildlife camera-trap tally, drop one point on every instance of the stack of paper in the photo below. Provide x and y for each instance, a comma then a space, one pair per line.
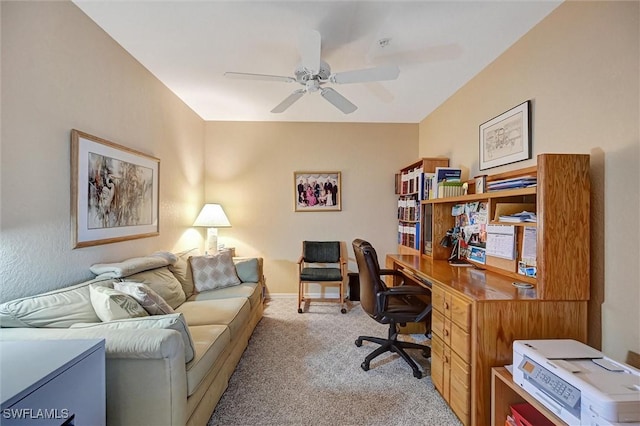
520, 182
519, 217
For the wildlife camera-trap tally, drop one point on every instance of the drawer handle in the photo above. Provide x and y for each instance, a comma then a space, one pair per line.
446, 359
446, 332
446, 305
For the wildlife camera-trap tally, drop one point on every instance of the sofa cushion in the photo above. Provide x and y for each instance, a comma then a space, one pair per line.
248, 270
54, 309
111, 304
212, 272
173, 321
163, 282
145, 296
210, 342
233, 313
181, 269
252, 291
131, 266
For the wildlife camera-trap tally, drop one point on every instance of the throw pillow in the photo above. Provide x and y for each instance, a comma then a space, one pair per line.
212, 272
145, 296
173, 321
248, 270
182, 270
163, 282
111, 304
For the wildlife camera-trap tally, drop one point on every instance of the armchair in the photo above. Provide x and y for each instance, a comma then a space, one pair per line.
389, 305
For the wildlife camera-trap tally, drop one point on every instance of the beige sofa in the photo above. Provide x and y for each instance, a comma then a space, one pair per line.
149, 381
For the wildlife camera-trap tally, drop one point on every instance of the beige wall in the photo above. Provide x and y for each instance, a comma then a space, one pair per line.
580, 67
61, 71
249, 169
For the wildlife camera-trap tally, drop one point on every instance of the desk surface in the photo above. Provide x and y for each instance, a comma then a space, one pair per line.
477, 284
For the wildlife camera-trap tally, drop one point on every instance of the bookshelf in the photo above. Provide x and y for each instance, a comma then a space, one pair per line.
410, 188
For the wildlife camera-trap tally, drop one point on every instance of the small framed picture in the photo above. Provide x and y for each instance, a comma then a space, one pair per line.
317, 191
477, 254
481, 184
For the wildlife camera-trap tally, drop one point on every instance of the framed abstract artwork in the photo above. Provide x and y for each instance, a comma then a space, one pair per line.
114, 192
317, 191
506, 138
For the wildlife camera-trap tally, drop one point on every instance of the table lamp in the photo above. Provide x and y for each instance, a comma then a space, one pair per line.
212, 217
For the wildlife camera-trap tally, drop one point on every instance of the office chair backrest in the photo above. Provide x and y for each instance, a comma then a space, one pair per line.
321, 251
369, 276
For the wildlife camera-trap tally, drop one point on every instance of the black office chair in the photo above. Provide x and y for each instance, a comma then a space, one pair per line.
389, 305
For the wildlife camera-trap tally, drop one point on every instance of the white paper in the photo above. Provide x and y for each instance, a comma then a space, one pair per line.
529, 245
501, 241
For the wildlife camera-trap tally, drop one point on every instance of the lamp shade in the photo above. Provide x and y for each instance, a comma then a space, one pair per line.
212, 216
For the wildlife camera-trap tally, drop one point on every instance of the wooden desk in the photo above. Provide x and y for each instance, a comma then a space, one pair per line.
477, 314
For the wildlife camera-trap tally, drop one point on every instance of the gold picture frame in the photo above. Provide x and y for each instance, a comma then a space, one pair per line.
317, 191
114, 192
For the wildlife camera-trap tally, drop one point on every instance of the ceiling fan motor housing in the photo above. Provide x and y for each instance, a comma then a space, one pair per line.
303, 75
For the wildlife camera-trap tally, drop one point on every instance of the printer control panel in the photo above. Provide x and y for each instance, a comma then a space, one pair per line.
555, 387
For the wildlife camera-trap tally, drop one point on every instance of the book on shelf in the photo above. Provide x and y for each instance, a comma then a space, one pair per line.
450, 189
445, 174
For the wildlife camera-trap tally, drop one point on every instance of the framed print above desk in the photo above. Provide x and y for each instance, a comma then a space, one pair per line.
506, 138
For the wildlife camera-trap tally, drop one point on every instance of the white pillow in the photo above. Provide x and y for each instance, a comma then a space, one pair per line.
129, 266
111, 304
173, 321
212, 272
145, 296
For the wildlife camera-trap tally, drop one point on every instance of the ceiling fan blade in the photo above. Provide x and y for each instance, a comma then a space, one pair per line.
338, 100
265, 77
310, 47
289, 100
388, 72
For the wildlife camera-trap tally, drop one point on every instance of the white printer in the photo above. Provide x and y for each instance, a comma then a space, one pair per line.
578, 383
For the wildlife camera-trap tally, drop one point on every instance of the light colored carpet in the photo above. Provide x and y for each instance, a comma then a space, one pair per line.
304, 369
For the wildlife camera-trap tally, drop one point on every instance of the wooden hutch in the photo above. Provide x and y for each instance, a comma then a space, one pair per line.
478, 312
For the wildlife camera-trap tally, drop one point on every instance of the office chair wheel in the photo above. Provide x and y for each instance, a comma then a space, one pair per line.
343, 310
365, 366
299, 310
358, 342
417, 374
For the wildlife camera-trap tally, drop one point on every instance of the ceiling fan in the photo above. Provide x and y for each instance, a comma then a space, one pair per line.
313, 74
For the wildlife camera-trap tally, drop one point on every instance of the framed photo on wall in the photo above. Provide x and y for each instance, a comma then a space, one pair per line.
317, 191
506, 138
114, 192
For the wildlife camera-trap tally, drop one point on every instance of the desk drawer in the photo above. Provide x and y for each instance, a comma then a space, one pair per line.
437, 324
437, 364
458, 339
459, 311
437, 299
459, 397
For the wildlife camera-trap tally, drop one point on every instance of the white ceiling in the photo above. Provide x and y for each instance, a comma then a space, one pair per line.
438, 46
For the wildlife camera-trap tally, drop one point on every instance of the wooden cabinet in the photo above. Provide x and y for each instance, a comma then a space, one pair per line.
451, 348
478, 313
410, 185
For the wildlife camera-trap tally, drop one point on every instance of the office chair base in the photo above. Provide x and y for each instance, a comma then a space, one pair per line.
396, 346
